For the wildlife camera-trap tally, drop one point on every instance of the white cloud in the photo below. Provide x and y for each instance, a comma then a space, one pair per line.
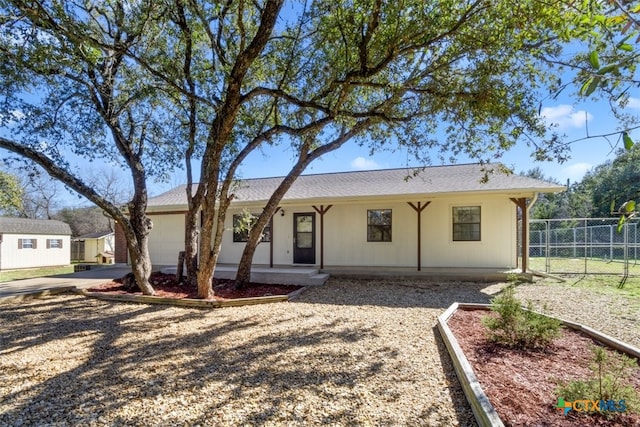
564, 117
576, 171
11, 117
17, 114
633, 103
360, 163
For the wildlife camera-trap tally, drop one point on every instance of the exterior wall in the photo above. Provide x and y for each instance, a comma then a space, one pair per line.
498, 244
232, 251
345, 235
166, 238
13, 257
92, 247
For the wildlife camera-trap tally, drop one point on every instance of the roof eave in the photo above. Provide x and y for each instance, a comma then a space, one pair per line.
177, 209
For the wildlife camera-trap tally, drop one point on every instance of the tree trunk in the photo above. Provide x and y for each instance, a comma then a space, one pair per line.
191, 246
305, 157
243, 276
208, 259
135, 227
141, 266
220, 132
137, 230
180, 268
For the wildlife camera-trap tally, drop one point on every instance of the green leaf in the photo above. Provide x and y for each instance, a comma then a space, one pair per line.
607, 69
626, 47
621, 222
628, 142
612, 207
585, 86
11, 193
593, 59
590, 86
630, 206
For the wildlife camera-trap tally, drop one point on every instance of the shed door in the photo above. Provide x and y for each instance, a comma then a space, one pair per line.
304, 238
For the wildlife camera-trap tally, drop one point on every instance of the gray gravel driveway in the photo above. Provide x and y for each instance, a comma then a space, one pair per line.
348, 353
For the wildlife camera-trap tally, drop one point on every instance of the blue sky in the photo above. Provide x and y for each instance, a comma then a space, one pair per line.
570, 119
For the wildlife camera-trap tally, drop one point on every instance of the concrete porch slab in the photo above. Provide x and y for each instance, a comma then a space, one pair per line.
301, 276
435, 274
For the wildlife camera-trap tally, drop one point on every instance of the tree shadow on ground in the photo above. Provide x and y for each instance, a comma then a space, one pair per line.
135, 364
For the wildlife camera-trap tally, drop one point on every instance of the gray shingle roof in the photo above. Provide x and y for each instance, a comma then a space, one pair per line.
96, 235
430, 181
34, 226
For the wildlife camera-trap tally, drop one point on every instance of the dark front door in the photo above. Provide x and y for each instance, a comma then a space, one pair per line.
304, 238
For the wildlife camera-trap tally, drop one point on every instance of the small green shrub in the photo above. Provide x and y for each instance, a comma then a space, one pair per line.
517, 327
610, 380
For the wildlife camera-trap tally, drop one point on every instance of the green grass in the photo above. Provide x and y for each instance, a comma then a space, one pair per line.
582, 266
7, 276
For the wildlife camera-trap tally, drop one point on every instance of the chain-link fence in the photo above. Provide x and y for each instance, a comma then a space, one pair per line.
584, 246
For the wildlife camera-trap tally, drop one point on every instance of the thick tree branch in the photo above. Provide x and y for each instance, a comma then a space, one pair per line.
62, 175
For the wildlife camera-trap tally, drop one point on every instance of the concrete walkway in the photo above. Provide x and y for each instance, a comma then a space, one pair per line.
82, 279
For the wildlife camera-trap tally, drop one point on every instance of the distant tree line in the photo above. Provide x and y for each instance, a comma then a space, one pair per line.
31, 193
606, 185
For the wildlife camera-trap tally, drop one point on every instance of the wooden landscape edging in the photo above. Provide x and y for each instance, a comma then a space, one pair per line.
484, 412
189, 302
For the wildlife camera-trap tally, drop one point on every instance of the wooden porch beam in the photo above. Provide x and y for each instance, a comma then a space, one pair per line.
278, 209
419, 210
321, 211
522, 204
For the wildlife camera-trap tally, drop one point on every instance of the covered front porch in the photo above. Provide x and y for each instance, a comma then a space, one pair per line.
313, 276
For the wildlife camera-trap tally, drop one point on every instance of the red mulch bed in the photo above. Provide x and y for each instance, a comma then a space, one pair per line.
520, 384
166, 286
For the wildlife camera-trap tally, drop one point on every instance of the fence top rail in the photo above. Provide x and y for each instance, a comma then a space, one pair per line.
608, 219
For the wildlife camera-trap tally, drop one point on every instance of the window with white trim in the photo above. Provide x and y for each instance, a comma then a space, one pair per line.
27, 243
54, 243
466, 223
379, 225
242, 225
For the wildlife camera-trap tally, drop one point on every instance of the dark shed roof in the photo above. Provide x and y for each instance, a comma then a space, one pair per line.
34, 226
96, 235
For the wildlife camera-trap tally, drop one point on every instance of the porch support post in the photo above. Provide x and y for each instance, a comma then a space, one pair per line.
419, 210
278, 209
321, 211
522, 204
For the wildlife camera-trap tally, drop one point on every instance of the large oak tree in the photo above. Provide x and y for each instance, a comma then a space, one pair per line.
69, 89
448, 77
457, 78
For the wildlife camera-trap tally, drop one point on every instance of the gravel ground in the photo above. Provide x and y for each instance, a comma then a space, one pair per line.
348, 353
608, 313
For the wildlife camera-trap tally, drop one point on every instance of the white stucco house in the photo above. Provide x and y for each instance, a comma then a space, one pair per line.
31, 243
444, 216
96, 247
